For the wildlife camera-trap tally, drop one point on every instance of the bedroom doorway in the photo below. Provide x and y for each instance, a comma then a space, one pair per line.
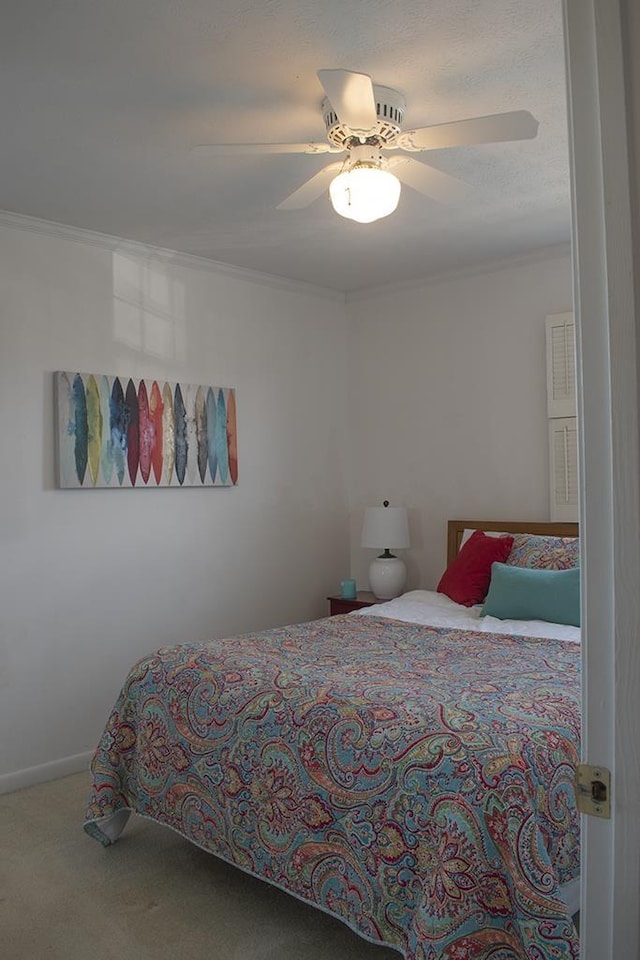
598, 45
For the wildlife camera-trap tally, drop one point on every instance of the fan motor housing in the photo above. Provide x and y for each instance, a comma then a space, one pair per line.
390, 108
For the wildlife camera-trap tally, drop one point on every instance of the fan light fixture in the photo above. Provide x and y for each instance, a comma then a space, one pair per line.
365, 193
362, 120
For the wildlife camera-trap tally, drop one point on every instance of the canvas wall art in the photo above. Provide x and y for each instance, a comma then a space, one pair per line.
119, 432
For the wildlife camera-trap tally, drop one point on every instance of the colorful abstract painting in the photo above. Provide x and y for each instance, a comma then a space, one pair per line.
121, 432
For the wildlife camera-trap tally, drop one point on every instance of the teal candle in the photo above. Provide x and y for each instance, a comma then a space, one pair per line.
348, 589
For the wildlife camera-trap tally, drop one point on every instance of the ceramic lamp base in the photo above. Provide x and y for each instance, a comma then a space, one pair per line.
387, 577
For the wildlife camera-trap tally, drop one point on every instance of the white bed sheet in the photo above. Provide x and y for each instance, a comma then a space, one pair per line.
436, 610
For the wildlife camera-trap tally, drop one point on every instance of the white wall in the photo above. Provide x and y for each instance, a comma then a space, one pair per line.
92, 580
448, 403
432, 396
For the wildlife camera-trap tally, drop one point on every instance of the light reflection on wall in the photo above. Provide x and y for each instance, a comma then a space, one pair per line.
148, 307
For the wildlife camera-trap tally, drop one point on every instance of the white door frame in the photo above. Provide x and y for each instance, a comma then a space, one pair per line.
610, 468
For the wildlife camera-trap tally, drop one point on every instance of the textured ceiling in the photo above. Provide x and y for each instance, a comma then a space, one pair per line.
101, 102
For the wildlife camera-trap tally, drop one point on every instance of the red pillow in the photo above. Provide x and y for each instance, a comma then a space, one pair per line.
466, 580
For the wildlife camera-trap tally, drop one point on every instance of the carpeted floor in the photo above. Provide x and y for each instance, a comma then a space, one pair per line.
151, 896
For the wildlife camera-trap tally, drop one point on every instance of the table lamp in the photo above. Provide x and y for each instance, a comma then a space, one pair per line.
386, 527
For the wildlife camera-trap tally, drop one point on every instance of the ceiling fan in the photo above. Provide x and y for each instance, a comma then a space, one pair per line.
363, 120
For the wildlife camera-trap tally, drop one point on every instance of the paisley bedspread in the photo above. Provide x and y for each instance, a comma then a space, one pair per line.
415, 782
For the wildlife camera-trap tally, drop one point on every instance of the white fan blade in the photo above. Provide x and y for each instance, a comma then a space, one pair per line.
351, 96
425, 179
311, 189
234, 149
517, 125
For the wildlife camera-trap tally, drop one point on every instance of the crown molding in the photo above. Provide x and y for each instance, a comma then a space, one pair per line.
552, 252
170, 257
163, 255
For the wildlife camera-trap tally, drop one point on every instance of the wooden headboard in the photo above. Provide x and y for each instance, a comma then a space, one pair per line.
456, 528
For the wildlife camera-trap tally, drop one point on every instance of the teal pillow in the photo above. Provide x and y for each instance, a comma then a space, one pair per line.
523, 593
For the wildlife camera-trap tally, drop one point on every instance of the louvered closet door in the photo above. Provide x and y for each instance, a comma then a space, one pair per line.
561, 365
563, 449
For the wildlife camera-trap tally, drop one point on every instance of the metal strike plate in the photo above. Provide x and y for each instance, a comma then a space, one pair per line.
593, 790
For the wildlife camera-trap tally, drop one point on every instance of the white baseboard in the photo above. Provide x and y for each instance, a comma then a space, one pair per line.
45, 771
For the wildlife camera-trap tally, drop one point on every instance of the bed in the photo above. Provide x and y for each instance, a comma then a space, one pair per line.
408, 768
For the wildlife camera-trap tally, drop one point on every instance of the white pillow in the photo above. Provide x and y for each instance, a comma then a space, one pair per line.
488, 533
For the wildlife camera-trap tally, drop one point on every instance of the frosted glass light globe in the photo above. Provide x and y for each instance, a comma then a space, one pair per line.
365, 194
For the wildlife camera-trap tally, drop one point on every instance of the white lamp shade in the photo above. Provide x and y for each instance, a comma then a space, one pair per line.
386, 528
365, 194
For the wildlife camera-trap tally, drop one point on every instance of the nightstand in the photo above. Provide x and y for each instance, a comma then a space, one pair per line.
338, 604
